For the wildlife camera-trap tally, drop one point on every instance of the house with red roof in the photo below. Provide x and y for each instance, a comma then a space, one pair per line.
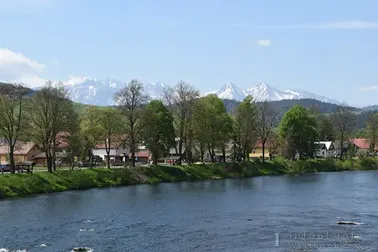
363, 146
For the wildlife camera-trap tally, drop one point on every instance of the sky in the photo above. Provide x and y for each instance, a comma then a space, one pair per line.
328, 47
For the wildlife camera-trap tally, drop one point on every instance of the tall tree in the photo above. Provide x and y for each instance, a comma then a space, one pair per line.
110, 128
131, 100
372, 130
90, 130
299, 131
50, 112
266, 120
344, 123
181, 100
226, 130
158, 133
12, 120
245, 122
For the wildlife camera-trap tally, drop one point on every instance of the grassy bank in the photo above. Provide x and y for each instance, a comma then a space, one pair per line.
42, 182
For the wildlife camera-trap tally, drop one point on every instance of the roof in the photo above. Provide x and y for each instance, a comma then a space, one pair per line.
115, 143
57, 154
140, 154
362, 143
21, 148
327, 144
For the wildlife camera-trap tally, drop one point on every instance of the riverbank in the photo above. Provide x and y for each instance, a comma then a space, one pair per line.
12, 185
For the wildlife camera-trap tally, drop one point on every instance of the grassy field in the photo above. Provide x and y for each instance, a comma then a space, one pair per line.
42, 182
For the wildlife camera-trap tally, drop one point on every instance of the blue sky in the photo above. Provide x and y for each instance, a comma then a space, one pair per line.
328, 47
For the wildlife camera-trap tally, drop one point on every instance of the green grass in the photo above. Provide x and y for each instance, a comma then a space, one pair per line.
42, 182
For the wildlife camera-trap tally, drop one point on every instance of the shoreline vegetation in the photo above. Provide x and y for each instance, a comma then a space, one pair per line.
15, 185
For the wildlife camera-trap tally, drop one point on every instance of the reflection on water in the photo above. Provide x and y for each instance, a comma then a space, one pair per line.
221, 215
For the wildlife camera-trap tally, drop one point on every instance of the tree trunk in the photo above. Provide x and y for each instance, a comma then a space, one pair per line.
49, 161
108, 158
224, 154
341, 149
154, 159
263, 151
210, 153
11, 159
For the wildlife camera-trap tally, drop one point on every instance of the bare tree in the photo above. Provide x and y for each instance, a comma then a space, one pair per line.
131, 100
181, 100
51, 113
344, 123
266, 120
12, 97
372, 130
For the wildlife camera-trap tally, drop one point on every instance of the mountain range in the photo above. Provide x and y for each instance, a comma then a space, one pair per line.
101, 92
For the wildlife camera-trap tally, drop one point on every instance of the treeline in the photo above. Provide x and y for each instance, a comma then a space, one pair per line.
184, 121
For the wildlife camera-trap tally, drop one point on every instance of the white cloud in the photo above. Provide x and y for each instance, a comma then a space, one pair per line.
264, 42
15, 67
336, 25
369, 88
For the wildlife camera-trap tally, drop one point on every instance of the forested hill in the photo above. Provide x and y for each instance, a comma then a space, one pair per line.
284, 105
323, 107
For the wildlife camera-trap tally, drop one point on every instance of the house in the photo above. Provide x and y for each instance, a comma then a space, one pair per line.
118, 152
326, 149
24, 151
142, 155
362, 146
60, 158
257, 151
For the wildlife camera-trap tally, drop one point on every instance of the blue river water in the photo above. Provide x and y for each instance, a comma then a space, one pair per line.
280, 213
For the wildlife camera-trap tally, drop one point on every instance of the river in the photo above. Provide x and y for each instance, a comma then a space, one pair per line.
279, 213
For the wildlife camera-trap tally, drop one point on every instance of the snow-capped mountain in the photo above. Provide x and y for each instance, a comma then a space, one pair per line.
101, 92
230, 91
264, 92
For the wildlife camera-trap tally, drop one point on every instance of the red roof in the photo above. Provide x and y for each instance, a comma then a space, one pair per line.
362, 143
143, 154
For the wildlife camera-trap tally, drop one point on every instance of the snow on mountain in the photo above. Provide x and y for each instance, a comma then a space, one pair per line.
101, 92
264, 92
229, 91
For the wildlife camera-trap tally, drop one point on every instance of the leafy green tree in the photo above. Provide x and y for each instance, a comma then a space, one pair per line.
130, 101
12, 118
299, 129
212, 125
158, 133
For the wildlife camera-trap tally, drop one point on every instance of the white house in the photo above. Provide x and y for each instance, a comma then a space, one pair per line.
118, 152
325, 149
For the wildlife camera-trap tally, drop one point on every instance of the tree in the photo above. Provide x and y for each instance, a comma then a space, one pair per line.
372, 130
266, 121
50, 112
158, 133
181, 100
90, 130
324, 124
245, 124
344, 122
12, 120
299, 131
110, 125
130, 101
225, 133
